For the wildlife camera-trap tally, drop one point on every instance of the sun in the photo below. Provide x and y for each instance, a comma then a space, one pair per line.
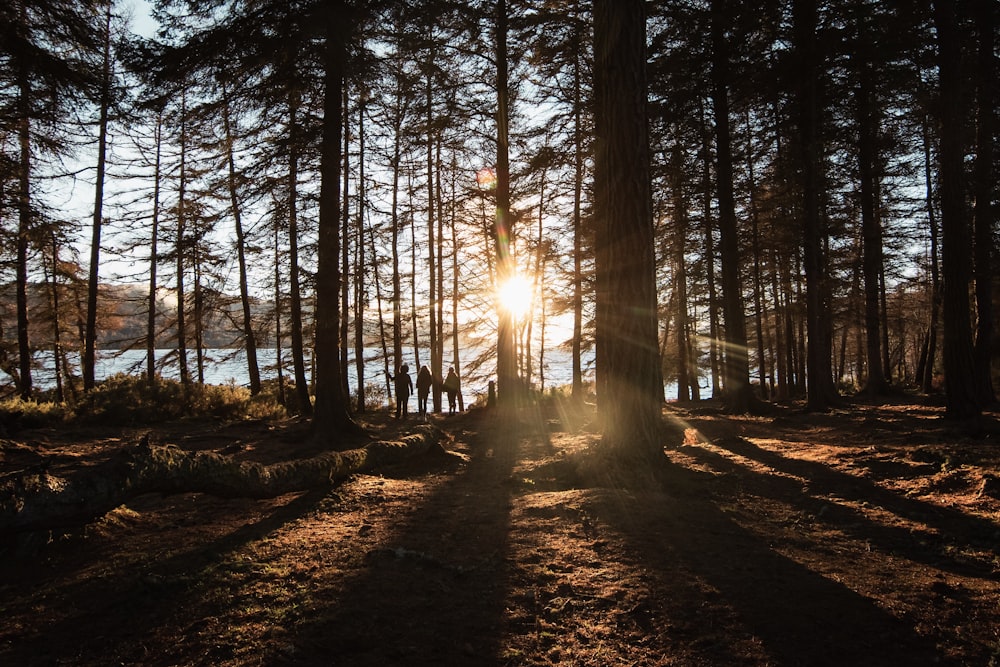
515, 295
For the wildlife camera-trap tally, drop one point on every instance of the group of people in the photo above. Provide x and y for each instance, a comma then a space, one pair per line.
404, 387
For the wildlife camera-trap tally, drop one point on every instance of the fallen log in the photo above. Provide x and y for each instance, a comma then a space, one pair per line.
36, 500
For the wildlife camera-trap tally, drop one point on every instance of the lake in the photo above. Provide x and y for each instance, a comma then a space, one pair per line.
229, 366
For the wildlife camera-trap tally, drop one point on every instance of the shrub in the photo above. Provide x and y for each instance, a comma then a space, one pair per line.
129, 399
376, 397
29, 414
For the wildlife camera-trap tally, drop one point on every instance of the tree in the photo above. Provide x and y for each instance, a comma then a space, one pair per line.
236, 208
867, 121
821, 391
985, 19
46, 46
630, 384
960, 377
332, 413
507, 380
737, 394
90, 336
154, 239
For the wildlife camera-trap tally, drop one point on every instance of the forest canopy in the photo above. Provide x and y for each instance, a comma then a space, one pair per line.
359, 179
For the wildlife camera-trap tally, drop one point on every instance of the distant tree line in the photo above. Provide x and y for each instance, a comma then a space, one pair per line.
806, 186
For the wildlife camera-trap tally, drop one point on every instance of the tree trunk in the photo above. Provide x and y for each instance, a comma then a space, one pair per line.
821, 391
456, 360
35, 501
578, 156
154, 239
432, 266
414, 318
199, 309
360, 296
345, 245
437, 356
926, 375
180, 250
397, 288
93, 279
24, 222
398, 116
871, 229
680, 221
295, 289
52, 281
959, 366
249, 338
376, 274
713, 299
983, 184
781, 343
507, 381
578, 166
758, 281
279, 362
736, 392
332, 414
631, 386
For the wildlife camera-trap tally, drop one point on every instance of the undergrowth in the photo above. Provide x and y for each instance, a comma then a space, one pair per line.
126, 399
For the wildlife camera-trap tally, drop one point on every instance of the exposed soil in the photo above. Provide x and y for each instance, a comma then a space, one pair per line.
866, 536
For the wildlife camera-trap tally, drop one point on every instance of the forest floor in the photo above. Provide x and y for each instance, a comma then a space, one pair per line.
868, 535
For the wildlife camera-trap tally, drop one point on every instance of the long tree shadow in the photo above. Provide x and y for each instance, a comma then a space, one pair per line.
709, 575
104, 619
945, 526
432, 591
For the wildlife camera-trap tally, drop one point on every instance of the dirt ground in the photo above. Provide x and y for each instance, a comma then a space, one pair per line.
863, 536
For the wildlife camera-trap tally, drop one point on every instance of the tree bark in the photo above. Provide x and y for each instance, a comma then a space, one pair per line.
332, 410
154, 240
345, 239
37, 500
820, 388
736, 390
876, 383
680, 221
249, 337
507, 381
432, 265
180, 247
983, 184
630, 386
713, 299
295, 291
93, 279
962, 401
758, 281
360, 291
25, 221
925, 372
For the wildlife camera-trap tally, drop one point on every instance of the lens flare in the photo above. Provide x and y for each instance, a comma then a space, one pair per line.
515, 295
486, 179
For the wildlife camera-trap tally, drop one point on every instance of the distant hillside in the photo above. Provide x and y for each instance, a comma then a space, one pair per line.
122, 316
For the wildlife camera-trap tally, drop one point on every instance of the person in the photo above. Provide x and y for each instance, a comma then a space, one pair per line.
404, 387
452, 385
424, 382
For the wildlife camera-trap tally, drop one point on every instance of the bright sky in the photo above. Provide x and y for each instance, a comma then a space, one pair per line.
142, 22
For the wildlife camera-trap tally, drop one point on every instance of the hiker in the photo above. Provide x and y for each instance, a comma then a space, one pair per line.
452, 385
404, 387
424, 382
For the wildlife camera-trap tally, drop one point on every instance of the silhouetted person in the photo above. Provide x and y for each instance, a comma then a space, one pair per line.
404, 387
424, 382
452, 385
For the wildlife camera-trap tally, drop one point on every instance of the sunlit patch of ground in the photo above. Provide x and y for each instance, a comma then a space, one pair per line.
864, 536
